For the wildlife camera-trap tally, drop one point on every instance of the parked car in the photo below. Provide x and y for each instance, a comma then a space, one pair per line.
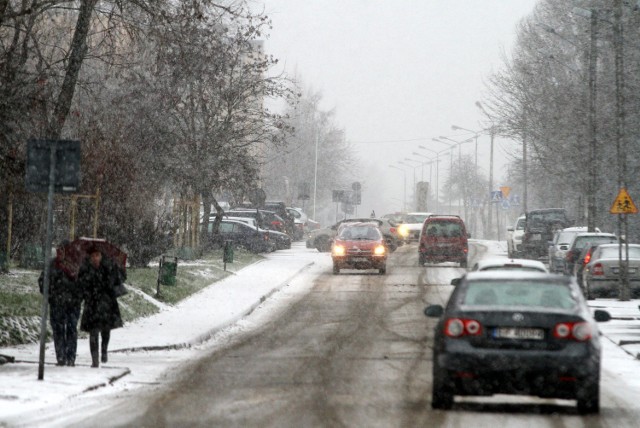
280, 208
502, 263
539, 228
514, 237
410, 225
443, 238
560, 245
359, 246
248, 212
601, 275
521, 334
300, 220
578, 243
242, 235
322, 238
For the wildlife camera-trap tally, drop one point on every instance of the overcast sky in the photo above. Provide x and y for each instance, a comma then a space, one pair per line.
397, 70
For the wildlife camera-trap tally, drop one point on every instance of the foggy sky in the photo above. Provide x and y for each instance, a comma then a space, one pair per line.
398, 70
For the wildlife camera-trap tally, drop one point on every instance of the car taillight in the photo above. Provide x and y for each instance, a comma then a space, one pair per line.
579, 331
587, 258
277, 224
458, 327
597, 269
392, 230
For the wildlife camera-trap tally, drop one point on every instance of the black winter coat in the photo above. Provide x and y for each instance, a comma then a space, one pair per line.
101, 310
64, 291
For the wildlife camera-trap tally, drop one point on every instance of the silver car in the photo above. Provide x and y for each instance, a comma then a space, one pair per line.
560, 245
601, 276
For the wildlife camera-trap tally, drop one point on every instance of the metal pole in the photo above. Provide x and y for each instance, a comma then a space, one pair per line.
315, 179
489, 219
47, 254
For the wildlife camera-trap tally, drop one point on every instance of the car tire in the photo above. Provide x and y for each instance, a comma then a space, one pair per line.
392, 244
441, 392
422, 259
588, 396
383, 270
336, 269
463, 263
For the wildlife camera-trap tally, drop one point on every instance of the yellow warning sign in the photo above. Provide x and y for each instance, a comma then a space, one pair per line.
623, 204
505, 191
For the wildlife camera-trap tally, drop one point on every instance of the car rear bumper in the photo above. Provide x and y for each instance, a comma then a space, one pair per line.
610, 287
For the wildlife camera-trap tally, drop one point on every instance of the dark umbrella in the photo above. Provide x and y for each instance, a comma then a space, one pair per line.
76, 251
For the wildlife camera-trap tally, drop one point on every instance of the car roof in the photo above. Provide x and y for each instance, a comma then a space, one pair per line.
503, 261
362, 224
501, 275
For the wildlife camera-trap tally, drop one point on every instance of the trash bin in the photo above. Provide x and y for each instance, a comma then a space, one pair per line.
227, 255
168, 271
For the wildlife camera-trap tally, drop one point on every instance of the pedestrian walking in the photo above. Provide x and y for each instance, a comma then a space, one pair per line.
97, 277
65, 299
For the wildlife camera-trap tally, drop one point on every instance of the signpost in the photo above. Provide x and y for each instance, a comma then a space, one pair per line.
623, 205
53, 166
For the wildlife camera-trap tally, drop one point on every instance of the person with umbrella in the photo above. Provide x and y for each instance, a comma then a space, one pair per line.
65, 298
97, 277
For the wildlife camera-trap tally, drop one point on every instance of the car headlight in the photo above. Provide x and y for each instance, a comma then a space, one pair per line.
338, 250
403, 230
379, 250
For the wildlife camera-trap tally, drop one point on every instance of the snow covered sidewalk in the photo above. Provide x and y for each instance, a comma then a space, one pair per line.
190, 322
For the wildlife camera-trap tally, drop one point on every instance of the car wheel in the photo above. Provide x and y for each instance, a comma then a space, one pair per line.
336, 269
383, 270
422, 259
323, 244
442, 391
588, 397
463, 263
392, 245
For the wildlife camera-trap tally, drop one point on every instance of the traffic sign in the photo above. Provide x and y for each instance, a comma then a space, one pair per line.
496, 196
623, 204
67, 165
505, 191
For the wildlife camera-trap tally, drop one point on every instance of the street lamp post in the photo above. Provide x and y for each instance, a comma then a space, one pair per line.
492, 135
404, 198
451, 146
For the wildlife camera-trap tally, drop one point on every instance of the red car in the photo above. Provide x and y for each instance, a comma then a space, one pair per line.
443, 239
359, 246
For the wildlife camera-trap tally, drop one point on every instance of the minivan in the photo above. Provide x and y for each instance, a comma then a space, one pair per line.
443, 239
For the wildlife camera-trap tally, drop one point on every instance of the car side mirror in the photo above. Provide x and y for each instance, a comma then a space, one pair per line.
455, 282
510, 229
433, 311
601, 316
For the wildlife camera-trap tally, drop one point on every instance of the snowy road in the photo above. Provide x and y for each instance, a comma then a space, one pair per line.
347, 350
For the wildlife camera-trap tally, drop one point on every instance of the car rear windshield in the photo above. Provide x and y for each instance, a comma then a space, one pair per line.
582, 241
444, 229
506, 294
613, 253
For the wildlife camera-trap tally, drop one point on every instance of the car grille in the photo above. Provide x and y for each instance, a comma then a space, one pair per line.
358, 252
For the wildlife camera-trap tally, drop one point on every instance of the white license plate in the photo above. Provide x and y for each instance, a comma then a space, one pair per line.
616, 270
536, 237
359, 259
518, 333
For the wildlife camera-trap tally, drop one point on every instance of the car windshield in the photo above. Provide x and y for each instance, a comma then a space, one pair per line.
583, 241
360, 233
613, 253
419, 218
507, 294
547, 216
444, 229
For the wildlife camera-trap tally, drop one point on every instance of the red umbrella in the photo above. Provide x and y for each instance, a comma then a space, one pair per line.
76, 251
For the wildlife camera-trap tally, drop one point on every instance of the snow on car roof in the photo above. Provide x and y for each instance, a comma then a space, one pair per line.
496, 262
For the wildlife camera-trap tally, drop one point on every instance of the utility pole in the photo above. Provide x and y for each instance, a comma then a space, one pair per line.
592, 131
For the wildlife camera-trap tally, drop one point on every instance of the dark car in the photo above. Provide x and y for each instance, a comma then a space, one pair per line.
539, 229
523, 334
249, 212
242, 235
359, 246
280, 208
579, 242
443, 238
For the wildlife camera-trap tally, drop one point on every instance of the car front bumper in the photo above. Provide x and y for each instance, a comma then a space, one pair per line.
360, 262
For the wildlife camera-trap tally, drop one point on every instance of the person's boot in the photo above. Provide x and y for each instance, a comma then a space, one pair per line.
104, 355
106, 334
93, 347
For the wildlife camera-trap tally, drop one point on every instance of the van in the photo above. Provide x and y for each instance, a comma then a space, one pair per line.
443, 238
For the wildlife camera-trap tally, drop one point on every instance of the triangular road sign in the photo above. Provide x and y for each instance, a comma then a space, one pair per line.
623, 204
505, 191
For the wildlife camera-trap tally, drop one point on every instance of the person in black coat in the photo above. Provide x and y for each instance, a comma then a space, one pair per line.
65, 299
97, 277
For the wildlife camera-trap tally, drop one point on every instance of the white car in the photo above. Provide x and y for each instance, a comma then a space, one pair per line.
411, 226
502, 263
514, 237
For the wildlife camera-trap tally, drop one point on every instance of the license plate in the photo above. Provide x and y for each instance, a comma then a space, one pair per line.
616, 270
359, 259
518, 333
536, 237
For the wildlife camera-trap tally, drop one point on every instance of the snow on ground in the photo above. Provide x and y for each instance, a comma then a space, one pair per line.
147, 352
